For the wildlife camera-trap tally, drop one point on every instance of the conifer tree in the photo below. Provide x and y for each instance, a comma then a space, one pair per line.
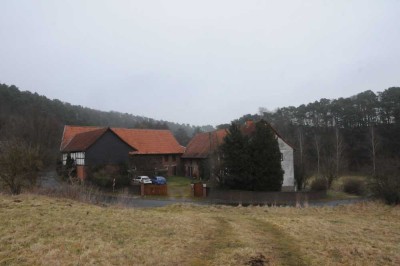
252, 162
235, 158
265, 159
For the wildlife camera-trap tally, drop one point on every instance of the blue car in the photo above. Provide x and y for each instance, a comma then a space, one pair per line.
159, 180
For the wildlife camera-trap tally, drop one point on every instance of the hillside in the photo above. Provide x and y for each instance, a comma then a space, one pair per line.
40, 120
332, 137
38, 230
351, 135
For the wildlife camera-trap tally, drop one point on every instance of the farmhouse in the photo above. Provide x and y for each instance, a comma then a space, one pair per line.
201, 154
144, 150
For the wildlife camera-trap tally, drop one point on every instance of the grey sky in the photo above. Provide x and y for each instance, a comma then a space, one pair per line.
199, 62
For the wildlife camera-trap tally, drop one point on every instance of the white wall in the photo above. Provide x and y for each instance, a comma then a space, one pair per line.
287, 163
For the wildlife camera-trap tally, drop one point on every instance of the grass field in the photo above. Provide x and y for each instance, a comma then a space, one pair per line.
39, 230
179, 187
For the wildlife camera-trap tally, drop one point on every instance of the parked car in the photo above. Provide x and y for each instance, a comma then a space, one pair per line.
159, 180
142, 179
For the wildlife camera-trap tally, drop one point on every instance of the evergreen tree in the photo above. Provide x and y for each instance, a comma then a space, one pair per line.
265, 159
235, 159
252, 162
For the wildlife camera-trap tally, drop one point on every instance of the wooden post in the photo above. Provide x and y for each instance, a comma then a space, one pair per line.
141, 189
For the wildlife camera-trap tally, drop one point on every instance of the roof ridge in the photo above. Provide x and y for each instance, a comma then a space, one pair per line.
146, 141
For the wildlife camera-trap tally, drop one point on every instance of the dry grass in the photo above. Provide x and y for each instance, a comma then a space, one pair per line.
38, 230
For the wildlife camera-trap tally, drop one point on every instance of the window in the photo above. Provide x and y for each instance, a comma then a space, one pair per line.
174, 158
79, 158
281, 156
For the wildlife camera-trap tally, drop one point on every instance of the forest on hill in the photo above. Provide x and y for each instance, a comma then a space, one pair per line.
39, 120
355, 135
359, 134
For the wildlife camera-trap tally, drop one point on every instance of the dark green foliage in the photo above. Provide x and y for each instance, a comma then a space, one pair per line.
265, 159
353, 185
387, 187
354, 117
319, 184
205, 169
103, 176
236, 160
252, 162
223, 126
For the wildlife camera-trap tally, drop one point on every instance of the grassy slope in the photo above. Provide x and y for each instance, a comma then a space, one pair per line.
41, 230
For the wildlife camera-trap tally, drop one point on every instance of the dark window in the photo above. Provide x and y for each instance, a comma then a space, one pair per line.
281, 156
174, 158
165, 158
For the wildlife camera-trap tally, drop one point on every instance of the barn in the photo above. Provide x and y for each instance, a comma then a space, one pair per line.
144, 150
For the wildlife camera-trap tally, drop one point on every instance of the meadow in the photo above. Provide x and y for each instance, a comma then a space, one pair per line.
41, 230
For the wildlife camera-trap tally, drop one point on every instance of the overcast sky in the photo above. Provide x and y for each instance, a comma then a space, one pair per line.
199, 62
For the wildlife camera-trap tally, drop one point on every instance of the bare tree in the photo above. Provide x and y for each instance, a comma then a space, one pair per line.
317, 143
300, 173
374, 144
19, 165
339, 150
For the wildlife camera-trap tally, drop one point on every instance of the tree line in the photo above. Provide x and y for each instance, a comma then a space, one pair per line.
358, 134
355, 135
35, 119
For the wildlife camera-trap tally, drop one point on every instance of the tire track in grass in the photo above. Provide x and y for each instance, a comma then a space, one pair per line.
285, 247
221, 240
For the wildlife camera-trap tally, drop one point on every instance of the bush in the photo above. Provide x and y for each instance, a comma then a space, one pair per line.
353, 185
103, 176
319, 184
20, 163
387, 187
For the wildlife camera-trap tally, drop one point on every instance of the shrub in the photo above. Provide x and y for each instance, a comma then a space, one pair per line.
387, 187
319, 184
103, 176
122, 180
353, 185
20, 163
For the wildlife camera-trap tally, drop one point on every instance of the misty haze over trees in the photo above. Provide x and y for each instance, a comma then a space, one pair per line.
39, 120
359, 134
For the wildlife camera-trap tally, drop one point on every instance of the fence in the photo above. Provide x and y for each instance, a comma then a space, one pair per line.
256, 197
198, 190
148, 189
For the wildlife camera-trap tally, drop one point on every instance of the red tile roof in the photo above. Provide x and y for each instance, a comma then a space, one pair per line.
144, 141
71, 131
203, 144
250, 127
150, 141
82, 141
